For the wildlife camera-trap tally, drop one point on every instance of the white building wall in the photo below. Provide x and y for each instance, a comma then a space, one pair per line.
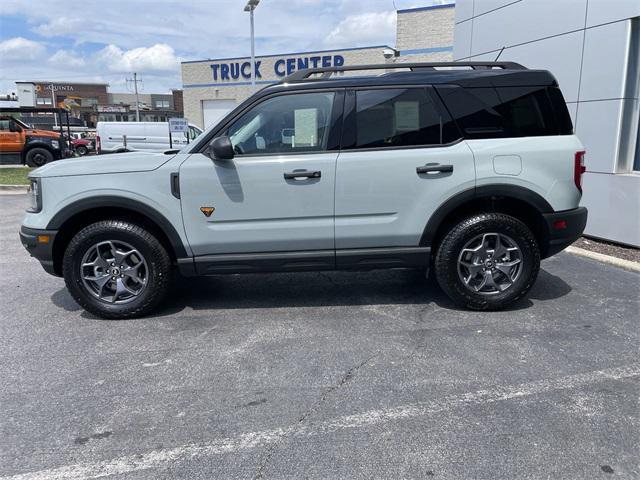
593, 49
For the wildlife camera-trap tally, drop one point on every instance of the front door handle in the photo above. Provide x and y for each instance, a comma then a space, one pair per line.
302, 174
434, 169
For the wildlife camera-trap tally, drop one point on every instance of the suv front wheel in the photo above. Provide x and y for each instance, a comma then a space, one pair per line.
116, 269
487, 261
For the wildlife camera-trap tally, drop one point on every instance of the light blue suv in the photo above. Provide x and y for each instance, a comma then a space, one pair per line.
469, 170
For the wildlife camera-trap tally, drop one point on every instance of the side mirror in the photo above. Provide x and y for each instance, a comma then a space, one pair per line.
221, 148
14, 127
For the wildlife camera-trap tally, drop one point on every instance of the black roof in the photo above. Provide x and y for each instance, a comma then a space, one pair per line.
479, 74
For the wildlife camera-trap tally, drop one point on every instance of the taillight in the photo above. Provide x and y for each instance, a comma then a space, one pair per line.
578, 169
97, 143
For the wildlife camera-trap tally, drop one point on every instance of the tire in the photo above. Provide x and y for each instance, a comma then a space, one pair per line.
101, 286
507, 277
82, 150
37, 157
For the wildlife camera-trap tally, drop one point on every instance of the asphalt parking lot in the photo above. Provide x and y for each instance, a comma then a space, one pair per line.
319, 375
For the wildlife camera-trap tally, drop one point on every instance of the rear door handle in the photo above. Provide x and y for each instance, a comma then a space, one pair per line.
302, 174
434, 169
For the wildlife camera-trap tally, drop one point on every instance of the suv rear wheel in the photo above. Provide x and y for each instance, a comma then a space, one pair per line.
487, 261
116, 269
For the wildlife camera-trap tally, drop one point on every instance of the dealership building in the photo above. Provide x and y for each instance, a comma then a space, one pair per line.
591, 46
213, 87
593, 49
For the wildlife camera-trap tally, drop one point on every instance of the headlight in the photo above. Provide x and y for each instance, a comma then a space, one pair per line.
55, 144
36, 195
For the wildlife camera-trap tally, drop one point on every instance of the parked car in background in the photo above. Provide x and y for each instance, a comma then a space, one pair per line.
20, 144
115, 137
83, 146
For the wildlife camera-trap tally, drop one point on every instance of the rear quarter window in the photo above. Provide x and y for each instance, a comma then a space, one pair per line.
505, 112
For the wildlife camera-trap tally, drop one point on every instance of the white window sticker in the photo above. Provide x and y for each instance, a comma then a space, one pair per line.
306, 127
407, 116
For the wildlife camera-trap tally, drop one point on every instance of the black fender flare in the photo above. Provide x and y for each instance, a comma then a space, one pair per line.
111, 201
523, 194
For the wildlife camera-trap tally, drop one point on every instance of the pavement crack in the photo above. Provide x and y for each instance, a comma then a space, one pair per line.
271, 449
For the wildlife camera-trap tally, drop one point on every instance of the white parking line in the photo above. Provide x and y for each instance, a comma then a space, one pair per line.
160, 458
601, 257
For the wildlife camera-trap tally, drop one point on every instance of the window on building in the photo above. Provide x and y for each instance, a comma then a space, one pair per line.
88, 102
162, 103
400, 118
44, 101
288, 123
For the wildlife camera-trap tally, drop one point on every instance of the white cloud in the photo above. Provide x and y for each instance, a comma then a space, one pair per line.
64, 58
20, 49
157, 58
362, 29
58, 26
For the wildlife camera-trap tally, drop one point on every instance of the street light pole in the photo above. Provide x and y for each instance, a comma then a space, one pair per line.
250, 7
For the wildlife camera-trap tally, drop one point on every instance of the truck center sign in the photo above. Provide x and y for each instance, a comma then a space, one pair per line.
281, 66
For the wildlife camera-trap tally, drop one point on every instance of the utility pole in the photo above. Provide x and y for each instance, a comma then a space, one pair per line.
135, 89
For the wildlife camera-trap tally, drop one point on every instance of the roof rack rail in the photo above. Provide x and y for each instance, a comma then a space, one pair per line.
326, 72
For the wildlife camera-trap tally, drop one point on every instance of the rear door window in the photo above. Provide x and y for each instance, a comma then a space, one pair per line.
398, 117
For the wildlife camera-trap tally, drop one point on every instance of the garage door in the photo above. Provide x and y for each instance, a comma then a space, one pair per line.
214, 110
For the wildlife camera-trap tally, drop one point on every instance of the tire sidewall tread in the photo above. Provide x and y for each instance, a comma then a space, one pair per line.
30, 154
446, 260
154, 253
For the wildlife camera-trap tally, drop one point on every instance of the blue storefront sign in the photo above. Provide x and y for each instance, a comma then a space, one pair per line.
281, 68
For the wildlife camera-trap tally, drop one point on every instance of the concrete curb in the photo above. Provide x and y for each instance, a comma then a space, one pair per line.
13, 189
618, 262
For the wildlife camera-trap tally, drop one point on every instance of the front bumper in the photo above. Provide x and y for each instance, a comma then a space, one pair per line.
564, 228
34, 241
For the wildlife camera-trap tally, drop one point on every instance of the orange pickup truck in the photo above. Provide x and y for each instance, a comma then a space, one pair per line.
20, 144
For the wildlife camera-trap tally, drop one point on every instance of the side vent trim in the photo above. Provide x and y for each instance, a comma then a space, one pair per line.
175, 184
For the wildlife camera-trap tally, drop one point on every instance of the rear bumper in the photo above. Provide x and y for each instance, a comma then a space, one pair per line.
564, 228
33, 240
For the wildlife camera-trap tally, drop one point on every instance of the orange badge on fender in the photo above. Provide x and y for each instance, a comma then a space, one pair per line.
207, 211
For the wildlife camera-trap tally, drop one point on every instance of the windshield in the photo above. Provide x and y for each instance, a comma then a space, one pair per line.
21, 123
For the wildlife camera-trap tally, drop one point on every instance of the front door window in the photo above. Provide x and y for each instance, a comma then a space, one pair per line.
285, 124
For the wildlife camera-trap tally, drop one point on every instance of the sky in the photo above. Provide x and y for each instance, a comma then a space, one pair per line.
107, 40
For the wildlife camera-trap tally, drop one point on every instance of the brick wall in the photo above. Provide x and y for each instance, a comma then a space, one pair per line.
421, 28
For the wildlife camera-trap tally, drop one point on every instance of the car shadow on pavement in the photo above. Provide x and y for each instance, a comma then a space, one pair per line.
317, 289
